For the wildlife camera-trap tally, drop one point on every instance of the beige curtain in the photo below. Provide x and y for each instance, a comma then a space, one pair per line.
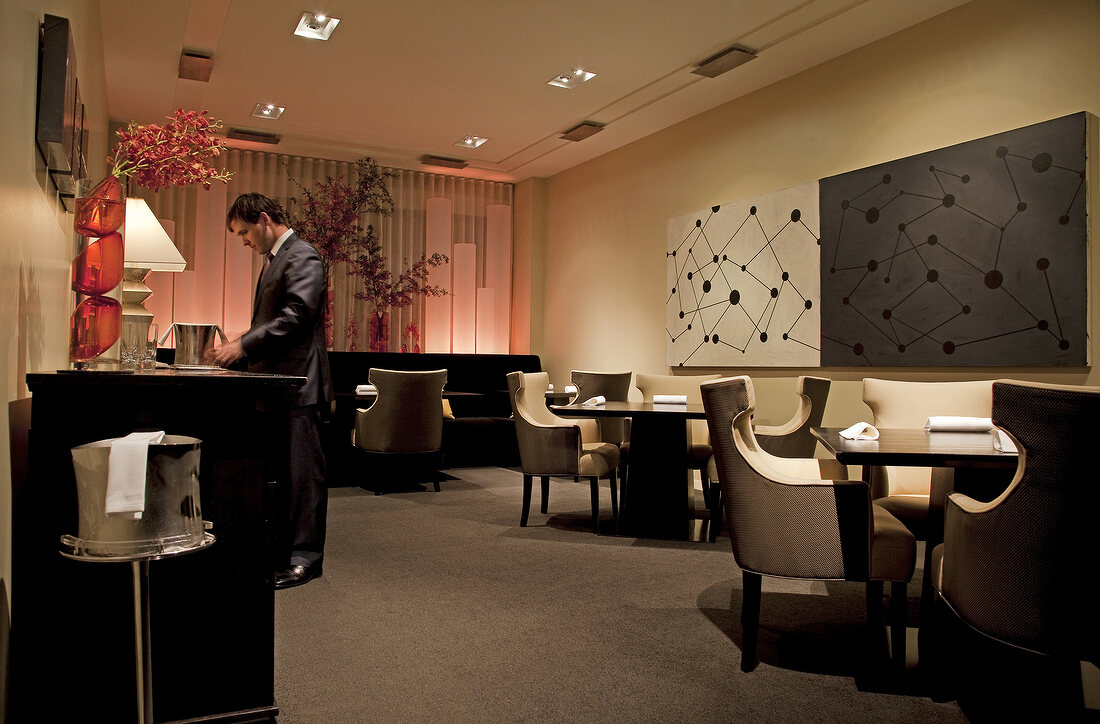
402, 234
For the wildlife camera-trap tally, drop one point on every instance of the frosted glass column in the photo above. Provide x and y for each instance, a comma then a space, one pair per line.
464, 309
437, 310
498, 271
486, 322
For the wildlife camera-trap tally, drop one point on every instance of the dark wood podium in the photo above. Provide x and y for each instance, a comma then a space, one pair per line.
212, 612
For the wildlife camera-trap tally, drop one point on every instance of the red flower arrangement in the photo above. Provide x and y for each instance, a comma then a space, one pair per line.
330, 220
177, 153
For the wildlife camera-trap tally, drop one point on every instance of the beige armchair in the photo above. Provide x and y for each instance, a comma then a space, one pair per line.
405, 423
792, 439
1020, 569
552, 446
614, 387
799, 518
907, 491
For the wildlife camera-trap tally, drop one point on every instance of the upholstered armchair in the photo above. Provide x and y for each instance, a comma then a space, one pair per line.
799, 518
612, 386
552, 446
792, 439
907, 491
1021, 568
405, 423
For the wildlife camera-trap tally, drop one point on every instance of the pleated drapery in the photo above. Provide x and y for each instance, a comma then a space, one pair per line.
402, 234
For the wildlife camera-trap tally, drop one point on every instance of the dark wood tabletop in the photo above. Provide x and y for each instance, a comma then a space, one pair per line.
917, 447
693, 411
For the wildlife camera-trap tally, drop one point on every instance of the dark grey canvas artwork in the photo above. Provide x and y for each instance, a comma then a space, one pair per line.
973, 254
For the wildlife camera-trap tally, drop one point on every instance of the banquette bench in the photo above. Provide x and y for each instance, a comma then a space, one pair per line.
481, 432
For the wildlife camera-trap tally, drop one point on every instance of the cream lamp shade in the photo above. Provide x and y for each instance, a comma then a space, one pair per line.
147, 244
148, 248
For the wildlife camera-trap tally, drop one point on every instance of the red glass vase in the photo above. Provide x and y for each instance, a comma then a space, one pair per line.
101, 209
98, 268
94, 328
98, 259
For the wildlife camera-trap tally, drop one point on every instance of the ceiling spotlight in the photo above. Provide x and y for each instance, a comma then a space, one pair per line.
571, 78
268, 110
471, 141
315, 25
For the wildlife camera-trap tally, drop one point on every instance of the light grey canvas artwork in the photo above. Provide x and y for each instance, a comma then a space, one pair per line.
743, 283
973, 254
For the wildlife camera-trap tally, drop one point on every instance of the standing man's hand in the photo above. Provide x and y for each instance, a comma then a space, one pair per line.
225, 355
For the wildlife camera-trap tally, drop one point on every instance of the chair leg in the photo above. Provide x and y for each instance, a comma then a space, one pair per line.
594, 485
526, 500
704, 481
545, 492
899, 599
716, 499
750, 618
614, 495
874, 604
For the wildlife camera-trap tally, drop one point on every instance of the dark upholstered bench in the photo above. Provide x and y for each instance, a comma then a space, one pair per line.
482, 431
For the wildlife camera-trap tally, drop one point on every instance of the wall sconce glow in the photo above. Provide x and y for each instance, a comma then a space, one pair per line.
571, 78
316, 25
471, 141
268, 110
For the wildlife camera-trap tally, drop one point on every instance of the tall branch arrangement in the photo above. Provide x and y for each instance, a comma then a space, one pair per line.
330, 218
177, 153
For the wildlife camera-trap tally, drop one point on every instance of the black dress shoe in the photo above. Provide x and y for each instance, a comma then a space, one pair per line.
296, 576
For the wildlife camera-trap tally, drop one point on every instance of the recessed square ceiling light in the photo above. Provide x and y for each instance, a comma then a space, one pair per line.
316, 25
571, 78
268, 110
471, 141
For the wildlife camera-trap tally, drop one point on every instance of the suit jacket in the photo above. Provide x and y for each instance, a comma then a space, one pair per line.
287, 335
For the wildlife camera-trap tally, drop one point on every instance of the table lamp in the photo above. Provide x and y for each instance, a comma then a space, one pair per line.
148, 248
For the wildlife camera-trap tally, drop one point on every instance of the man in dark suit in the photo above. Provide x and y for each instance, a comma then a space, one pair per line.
287, 336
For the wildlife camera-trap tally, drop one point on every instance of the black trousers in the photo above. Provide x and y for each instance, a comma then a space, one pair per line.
298, 467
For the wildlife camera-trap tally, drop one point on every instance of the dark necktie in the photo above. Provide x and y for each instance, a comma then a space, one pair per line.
263, 273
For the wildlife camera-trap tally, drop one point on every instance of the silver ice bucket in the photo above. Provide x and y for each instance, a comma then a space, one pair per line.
172, 520
193, 341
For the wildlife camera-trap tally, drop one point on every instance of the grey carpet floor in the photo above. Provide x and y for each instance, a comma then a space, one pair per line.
439, 607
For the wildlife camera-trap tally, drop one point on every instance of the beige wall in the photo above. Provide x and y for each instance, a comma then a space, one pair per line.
37, 238
987, 67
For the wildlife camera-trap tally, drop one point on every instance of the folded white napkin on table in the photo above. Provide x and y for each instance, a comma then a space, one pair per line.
126, 471
550, 387
570, 389
670, 399
954, 423
1002, 442
366, 390
593, 401
860, 431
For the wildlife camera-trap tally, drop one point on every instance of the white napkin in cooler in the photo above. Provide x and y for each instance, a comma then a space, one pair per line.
366, 390
126, 471
593, 401
1002, 442
670, 399
860, 431
954, 423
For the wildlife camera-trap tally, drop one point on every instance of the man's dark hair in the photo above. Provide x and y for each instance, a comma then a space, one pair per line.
248, 208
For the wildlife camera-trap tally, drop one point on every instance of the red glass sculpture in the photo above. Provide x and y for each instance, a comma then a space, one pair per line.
98, 269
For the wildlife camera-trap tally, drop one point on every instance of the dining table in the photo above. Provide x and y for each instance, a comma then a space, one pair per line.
967, 462
658, 500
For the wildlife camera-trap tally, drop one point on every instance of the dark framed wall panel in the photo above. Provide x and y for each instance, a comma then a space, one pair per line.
973, 254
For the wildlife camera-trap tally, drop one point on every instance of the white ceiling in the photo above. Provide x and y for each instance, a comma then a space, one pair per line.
404, 78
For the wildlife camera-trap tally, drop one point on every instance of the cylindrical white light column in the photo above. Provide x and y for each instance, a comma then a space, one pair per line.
498, 272
486, 322
437, 310
464, 321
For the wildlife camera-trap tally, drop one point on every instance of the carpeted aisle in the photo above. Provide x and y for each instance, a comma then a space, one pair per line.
439, 607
